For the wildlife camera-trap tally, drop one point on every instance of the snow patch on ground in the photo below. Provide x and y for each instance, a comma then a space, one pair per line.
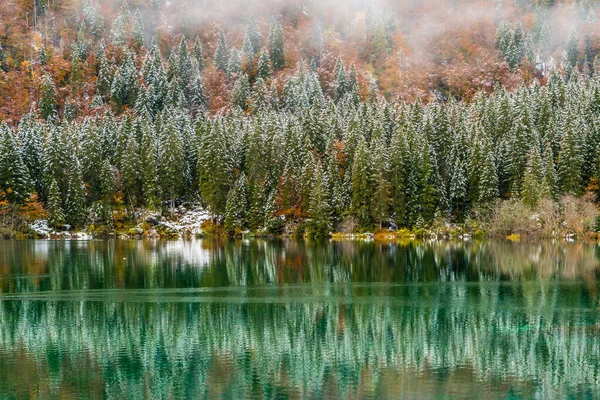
188, 222
40, 226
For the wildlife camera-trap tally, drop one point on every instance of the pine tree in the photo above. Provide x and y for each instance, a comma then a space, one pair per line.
319, 209
234, 65
47, 104
198, 53
570, 161
75, 212
264, 65
105, 75
30, 138
236, 208
380, 202
361, 186
572, 50
170, 168
149, 172
221, 58
14, 176
548, 188
533, 180
339, 81
56, 216
130, 170
241, 92
137, 29
252, 39
276, 44
214, 169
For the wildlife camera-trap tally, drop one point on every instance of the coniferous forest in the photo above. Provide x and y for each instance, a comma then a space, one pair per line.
287, 114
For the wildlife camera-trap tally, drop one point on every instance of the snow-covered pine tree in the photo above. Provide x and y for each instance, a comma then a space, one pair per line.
15, 181
361, 186
221, 57
531, 189
170, 167
56, 216
75, 212
241, 92
236, 208
130, 171
264, 64
47, 104
198, 53
319, 208
276, 45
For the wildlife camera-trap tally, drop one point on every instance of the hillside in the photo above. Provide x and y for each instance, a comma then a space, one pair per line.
300, 116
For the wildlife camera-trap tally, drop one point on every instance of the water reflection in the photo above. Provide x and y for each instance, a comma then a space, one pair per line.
263, 319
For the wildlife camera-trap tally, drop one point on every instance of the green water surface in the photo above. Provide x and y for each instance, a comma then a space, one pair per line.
291, 319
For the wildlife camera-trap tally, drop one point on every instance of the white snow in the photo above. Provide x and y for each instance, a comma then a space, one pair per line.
189, 221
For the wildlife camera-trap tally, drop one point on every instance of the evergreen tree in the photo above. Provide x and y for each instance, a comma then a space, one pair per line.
319, 210
570, 161
47, 105
264, 65
198, 53
276, 44
214, 169
170, 168
531, 190
339, 82
234, 66
56, 216
252, 39
130, 170
380, 202
221, 58
75, 212
15, 181
241, 92
149, 172
236, 208
572, 50
361, 186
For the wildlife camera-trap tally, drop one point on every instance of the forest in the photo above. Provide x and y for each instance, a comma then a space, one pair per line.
300, 117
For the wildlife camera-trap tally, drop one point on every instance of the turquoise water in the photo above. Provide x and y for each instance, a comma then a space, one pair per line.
288, 319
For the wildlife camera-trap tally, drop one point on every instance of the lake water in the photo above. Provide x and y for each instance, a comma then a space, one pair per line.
289, 319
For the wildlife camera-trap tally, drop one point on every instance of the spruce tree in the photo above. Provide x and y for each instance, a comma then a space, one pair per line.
319, 209
56, 216
75, 212
570, 161
149, 172
531, 190
15, 181
572, 49
221, 57
361, 186
264, 65
276, 45
380, 202
236, 208
339, 82
234, 65
170, 168
130, 170
198, 53
47, 104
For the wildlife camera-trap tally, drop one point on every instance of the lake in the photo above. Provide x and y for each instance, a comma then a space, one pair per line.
293, 319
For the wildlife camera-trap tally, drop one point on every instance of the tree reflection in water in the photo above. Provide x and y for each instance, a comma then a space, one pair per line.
282, 318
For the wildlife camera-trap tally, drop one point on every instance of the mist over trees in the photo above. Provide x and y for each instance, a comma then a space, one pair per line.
271, 118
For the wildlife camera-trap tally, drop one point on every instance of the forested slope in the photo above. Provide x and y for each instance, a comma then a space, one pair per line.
350, 116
